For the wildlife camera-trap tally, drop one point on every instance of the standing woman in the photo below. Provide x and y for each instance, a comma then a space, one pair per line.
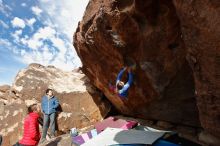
49, 106
31, 135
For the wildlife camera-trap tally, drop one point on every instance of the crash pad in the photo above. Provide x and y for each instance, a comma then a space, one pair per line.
111, 136
113, 122
80, 139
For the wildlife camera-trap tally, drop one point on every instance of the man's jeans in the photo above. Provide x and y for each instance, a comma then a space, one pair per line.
46, 124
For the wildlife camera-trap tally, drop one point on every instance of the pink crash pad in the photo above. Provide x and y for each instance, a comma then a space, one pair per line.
112, 122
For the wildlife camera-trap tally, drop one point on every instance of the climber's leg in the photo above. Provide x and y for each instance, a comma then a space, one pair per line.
111, 87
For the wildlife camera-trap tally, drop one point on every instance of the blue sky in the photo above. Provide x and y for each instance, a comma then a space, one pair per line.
38, 31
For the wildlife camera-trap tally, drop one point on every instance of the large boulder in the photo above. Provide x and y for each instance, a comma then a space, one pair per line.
148, 34
175, 46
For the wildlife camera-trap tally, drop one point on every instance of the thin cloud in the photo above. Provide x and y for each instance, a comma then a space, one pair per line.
16, 35
40, 51
23, 52
4, 43
71, 12
42, 34
44, 1
30, 22
51, 44
42, 57
36, 41
43, 53
24, 5
7, 45
36, 10
4, 24
18, 22
2, 69
5, 9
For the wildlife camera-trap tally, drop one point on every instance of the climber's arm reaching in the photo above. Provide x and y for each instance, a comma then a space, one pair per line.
120, 75
128, 84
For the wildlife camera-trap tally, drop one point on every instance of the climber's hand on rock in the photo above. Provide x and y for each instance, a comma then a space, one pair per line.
128, 69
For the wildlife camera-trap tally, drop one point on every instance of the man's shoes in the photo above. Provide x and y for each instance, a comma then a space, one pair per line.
42, 140
52, 136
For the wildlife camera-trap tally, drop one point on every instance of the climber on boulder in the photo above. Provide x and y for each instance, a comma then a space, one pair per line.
121, 87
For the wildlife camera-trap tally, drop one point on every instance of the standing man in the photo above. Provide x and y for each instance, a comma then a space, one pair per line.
49, 106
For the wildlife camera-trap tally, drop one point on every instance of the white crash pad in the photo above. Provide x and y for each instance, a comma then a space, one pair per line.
111, 136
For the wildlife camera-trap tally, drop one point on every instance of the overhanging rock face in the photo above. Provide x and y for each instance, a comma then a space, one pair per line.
167, 43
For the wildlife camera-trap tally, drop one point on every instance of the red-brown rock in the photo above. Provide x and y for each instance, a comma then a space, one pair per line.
200, 25
149, 33
158, 35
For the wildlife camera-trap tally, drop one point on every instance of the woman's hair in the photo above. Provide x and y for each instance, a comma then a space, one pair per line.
48, 90
119, 86
32, 108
